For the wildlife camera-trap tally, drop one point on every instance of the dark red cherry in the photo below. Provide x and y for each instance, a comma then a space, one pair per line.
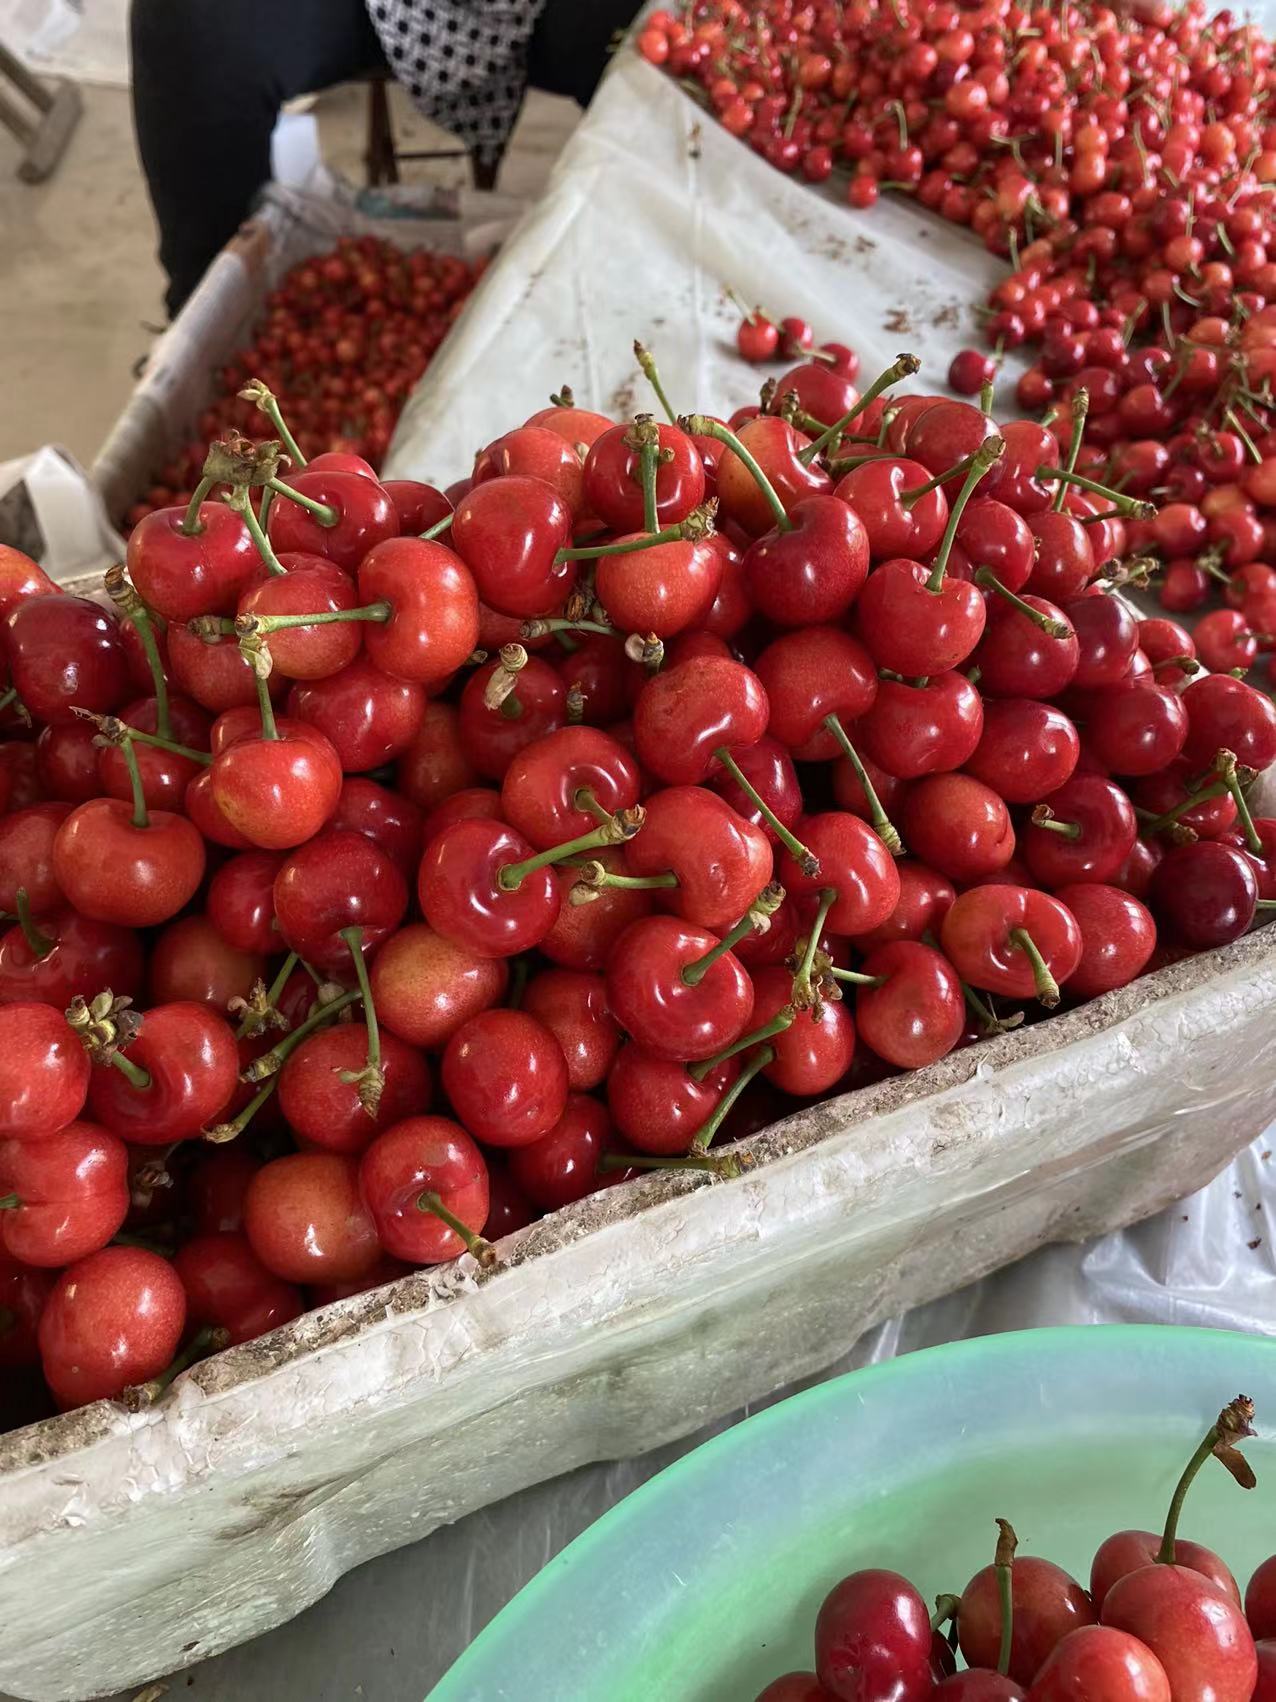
65, 653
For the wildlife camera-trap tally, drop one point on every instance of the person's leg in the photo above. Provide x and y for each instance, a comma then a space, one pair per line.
209, 77
572, 44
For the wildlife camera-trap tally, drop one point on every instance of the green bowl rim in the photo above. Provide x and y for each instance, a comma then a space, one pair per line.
1031, 1342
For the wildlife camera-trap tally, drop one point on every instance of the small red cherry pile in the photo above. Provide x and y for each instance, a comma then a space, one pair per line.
346, 335
1162, 1621
387, 867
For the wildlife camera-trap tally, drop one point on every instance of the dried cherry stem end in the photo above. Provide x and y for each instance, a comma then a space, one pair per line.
134, 610
260, 1010
38, 944
323, 512
904, 367
1226, 766
192, 525
1003, 1565
271, 1062
267, 403
475, 1245
249, 626
595, 876
709, 1128
782, 1019
883, 827
756, 920
10, 1202
988, 581
805, 993
700, 425
201, 1345
1232, 1426
1044, 982
806, 860
370, 1080
614, 831
1080, 408
219, 1133
1043, 816
945, 1610
116, 732
991, 450
646, 362
697, 526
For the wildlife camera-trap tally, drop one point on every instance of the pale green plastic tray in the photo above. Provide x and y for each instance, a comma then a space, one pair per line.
704, 1584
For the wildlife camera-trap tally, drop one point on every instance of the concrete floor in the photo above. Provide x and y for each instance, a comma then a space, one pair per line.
81, 291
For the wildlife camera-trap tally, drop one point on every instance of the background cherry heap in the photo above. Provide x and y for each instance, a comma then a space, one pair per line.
390, 866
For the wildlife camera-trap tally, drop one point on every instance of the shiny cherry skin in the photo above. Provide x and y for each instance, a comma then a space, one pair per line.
72, 1192
978, 1684
165, 776
1194, 1629
1017, 659
44, 1072
26, 856
112, 1320
1265, 1689
506, 1077
306, 1221
652, 1001
872, 1640
418, 506
1211, 818
368, 717
278, 792
583, 935
913, 630
191, 1061
65, 653
794, 1686
815, 1050
812, 570
433, 625
434, 768
959, 826
20, 578
364, 517
769, 769
613, 481
924, 900
533, 452
482, 803
1127, 1551
660, 589
113, 871
1027, 749
324, 1109
182, 574
913, 730
508, 1208
656, 1105
686, 713
1096, 1660
1228, 714
76, 955
508, 532
460, 891
416, 1156
854, 863
721, 861
310, 586
575, 425
1107, 828
541, 786
1118, 937
808, 675
216, 676
490, 738
897, 524
562, 1165
572, 1005
337, 882
919, 1014
241, 901
229, 1288
23, 1293
392, 822
976, 938
1065, 561
191, 960
1048, 1604
992, 535
775, 445
1135, 730
1107, 637
66, 761
1204, 894
425, 987
1260, 1595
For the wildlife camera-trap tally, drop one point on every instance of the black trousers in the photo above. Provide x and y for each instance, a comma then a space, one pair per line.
209, 77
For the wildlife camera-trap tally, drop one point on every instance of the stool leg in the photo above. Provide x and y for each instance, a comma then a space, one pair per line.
382, 165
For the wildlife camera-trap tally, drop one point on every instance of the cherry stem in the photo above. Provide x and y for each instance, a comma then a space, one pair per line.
192, 525
133, 609
8, 697
133, 1073
268, 728
8, 1320
700, 425
647, 362
264, 507
1167, 818
805, 859
270, 1062
1225, 762
1130, 506
475, 1245
323, 512
220, 1133
945, 1610
1044, 982
723, 1165
1251, 448
583, 798
40, 945
803, 994
1231, 1426
782, 1019
269, 1000
858, 980
204, 1342
267, 403
756, 919
989, 451
648, 461
1080, 408
593, 877
249, 625
439, 527
10, 1202
905, 366
882, 824
1007, 1543
140, 817
614, 831
759, 1061
985, 577
542, 628
120, 733
1265, 904
371, 1079
241, 502
1043, 816
697, 525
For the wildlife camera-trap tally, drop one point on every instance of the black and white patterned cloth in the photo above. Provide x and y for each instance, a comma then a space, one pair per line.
464, 65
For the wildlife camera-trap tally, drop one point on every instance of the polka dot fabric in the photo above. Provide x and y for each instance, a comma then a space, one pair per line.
465, 66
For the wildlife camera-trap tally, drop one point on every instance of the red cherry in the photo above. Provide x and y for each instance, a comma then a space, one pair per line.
660, 588
992, 935
417, 1158
506, 1077
757, 338
556, 786
1128, 1551
65, 653
913, 730
20, 578
1084, 831
66, 761
1118, 937
26, 856
872, 1640
660, 1007
204, 571
306, 1221
1194, 1629
425, 987
919, 1012
901, 515
434, 767
777, 448
979, 1684
769, 770
533, 452
23, 1293
360, 515
191, 960
229, 1288
562, 1165
913, 629
66, 1194
1017, 658
1026, 750
61, 954
319, 1088
277, 788
959, 826
112, 1320
509, 532
481, 803
572, 1005
993, 536
1227, 714
310, 586
165, 774
721, 861
217, 675
418, 506
1096, 1660
686, 714
217, 1185
808, 675
508, 1208
467, 895
368, 718
811, 569
1064, 563
1135, 729
241, 901
816, 1048
433, 622
1260, 1593
658, 1106
613, 480
44, 1072
854, 865
1047, 1604
924, 899
583, 935
490, 737
1204, 894
173, 1077
1107, 637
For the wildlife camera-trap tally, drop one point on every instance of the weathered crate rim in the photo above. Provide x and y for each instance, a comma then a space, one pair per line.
58, 1439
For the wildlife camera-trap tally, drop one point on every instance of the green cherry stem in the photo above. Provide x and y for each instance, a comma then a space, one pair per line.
1225, 763
1045, 983
204, 1342
134, 610
989, 451
254, 625
439, 527
987, 1017
267, 403
648, 463
119, 732
258, 1014
1080, 408
240, 500
1132, 507
1007, 1543
700, 425
757, 918
192, 525
269, 730
855, 979
1231, 1426
905, 366
140, 818
475, 1245
370, 1080
697, 525
38, 944
271, 1062
614, 831
759, 1061
647, 363
1043, 816
220, 1133
805, 859
988, 581
803, 995
782, 1019
323, 512
883, 827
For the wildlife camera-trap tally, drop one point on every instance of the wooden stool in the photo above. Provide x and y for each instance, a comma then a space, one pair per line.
382, 158
45, 137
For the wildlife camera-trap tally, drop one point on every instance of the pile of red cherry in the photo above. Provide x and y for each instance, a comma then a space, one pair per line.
374, 893
345, 336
